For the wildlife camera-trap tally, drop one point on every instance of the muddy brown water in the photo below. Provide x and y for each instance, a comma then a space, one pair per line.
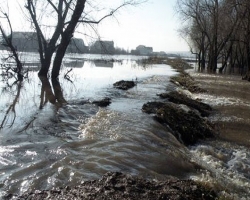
228, 157
230, 96
53, 136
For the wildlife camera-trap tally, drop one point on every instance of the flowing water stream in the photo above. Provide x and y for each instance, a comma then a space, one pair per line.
51, 135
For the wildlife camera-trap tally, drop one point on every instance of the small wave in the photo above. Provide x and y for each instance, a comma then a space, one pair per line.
227, 167
224, 118
5, 154
220, 101
100, 125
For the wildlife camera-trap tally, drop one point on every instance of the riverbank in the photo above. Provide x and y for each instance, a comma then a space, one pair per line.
119, 186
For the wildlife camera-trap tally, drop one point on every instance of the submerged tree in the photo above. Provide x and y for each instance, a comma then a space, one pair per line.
62, 18
47, 94
219, 31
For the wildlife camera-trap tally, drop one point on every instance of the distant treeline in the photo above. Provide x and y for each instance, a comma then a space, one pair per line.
217, 30
27, 42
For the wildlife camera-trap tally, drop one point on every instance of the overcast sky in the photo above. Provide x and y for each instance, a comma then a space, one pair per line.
153, 24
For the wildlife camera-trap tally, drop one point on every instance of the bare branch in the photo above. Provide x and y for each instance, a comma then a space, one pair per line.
54, 7
112, 12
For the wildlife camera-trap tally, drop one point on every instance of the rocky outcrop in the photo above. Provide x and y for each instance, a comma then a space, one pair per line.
124, 85
120, 186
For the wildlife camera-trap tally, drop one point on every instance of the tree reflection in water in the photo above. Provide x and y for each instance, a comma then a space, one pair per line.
11, 109
47, 95
53, 94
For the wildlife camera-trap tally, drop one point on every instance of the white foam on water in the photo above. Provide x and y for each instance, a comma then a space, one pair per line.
185, 92
227, 167
30, 153
25, 186
219, 100
103, 124
225, 118
5, 154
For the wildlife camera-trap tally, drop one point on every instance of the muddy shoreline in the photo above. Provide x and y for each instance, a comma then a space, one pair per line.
116, 185
185, 117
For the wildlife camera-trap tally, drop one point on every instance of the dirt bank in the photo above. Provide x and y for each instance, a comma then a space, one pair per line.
121, 186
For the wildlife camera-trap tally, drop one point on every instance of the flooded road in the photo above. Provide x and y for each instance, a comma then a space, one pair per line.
227, 159
231, 96
52, 135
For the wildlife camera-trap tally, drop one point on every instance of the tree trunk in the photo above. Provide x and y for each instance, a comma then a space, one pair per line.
248, 63
66, 37
8, 42
45, 63
199, 60
215, 38
210, 58
19, 65
228, 54
203, 59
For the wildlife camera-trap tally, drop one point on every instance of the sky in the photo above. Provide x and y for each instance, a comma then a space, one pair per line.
153, 24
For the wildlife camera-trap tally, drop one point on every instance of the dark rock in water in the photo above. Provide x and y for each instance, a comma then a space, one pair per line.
179, 98
187, 126
152, 107
103, 103
124, 85
116, 185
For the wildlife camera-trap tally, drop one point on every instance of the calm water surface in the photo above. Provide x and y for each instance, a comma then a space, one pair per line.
51, 135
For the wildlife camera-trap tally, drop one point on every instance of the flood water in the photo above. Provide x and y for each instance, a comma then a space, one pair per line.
226, 159
52, 136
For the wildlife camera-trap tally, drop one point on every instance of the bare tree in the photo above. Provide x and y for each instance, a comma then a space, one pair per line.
197, 18
214, 28
67, 15
7, 42
244, 35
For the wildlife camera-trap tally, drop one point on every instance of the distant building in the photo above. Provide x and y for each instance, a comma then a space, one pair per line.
27, 42
103, 47
143, 50
77, 45
23, 41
